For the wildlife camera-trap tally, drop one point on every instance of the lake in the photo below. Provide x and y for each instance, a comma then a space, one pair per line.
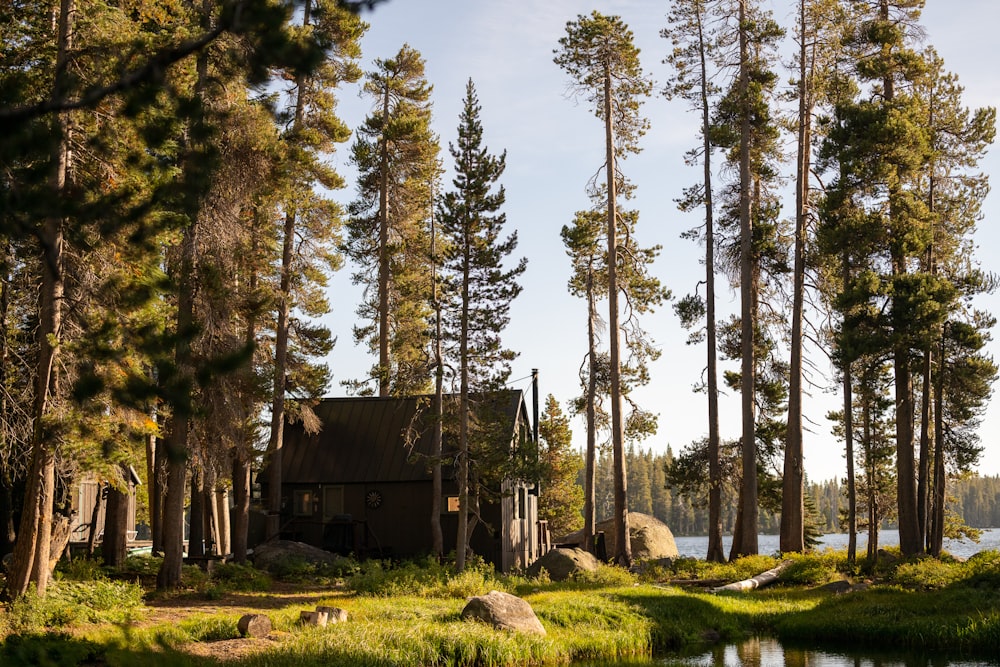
767, 652
697, 546
764, 652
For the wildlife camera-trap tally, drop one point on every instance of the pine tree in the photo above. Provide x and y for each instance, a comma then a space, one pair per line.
598, 54
561, 499
396, 155
311, 222
694, 46
482, 287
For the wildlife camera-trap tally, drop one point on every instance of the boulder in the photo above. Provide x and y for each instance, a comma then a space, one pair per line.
254, 625
274, 555
562, 563
651, 538
503, 611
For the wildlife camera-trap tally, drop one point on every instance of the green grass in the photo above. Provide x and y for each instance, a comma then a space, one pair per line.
410, 615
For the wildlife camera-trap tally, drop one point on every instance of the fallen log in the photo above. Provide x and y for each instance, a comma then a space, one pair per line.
762, 579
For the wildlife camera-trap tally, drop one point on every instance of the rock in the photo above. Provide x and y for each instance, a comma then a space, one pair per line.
651, 538
278, 553
313, 618
254, 625
504, 611
837, 587
562, 563
886, 557
334, 614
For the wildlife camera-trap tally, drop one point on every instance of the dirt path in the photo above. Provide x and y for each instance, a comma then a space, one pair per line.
171, 611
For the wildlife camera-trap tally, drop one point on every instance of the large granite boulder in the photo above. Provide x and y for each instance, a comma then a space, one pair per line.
562, 563
503, 611
279, 554
651, 538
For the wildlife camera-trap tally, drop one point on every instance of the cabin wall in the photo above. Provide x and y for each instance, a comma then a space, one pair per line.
84, 496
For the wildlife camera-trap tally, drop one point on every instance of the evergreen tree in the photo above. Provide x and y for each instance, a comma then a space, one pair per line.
561, 499
388, 238
598, 54
482, 286
694, 48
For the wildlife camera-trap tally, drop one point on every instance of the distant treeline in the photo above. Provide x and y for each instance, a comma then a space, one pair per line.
976, 500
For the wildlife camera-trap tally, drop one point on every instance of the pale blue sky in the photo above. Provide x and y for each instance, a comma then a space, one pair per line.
554, 146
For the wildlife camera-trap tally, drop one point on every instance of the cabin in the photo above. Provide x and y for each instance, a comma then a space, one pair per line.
363, 483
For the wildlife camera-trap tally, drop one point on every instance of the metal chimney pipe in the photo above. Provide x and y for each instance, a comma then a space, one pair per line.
534, 402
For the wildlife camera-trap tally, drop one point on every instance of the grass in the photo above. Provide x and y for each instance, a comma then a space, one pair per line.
410, 614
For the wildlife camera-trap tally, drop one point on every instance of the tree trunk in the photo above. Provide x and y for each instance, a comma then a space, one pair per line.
241, 505
590, 482
196, 525
940, 479
113, 546
95, 515
715, 548
792, 537
623, 545
210, 502
748, 488
159, 486
224, 535
383, 258
463, 409
437, 437
30, 559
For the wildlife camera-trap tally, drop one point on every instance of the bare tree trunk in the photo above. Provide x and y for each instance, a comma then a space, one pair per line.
30, 559
223, 532
211, 507
748, 489
384, 361
196, 535
792, 537
437, 436
159, 485
113, 546
940, 478
590, 482
715, 548
623, 545
852, 493
241, 502
463, 408
276, 439
95, 514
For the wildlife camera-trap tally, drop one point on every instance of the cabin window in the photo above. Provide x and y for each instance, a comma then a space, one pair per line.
303, 503
452, 503
521, 503
333, 502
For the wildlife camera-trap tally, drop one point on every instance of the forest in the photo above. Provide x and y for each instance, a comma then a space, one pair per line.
972, 501
169, 234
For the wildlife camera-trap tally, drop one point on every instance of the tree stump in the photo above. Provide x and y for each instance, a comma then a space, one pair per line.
254, 625
334, 614
313, 618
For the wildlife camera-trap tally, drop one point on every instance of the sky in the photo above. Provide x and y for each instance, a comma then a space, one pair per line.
555, 146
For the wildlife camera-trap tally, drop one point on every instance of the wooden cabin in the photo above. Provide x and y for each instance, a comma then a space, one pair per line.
363, 483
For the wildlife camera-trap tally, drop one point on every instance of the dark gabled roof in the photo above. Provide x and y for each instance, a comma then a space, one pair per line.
363, 440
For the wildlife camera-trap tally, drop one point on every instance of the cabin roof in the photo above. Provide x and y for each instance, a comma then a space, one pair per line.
363, 440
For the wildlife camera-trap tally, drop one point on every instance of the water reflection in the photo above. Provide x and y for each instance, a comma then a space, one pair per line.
765, 652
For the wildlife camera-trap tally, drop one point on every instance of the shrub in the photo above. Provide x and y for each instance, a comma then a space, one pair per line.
68, 603
927, 573
238, 577
810, 569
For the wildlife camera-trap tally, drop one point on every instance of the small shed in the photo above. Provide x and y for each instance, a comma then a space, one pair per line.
89, 495
363, 483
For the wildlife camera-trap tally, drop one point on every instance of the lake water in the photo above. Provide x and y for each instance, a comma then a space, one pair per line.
765, 652
768, 544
